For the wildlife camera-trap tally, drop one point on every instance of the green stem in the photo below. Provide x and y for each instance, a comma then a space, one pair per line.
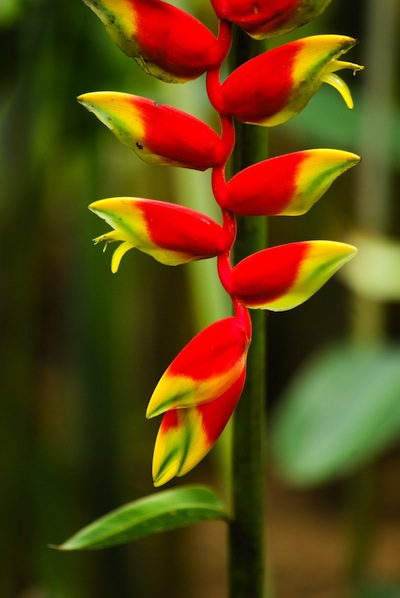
360, 510
246, 537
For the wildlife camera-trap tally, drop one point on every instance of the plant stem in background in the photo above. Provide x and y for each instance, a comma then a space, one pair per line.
374, 176
246, 538
372, 215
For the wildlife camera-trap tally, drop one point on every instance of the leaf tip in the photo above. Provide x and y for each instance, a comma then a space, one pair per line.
60, 547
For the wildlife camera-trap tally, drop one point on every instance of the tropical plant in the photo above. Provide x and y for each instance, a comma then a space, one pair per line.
199, 391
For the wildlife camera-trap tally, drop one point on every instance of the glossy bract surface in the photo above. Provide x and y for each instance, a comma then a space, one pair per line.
287, 185
265, 19
157, 133
283, 277
204, 369
171, 234
158, 36
275, 86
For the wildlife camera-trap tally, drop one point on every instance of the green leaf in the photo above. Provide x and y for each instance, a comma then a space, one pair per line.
159, 512
341, 411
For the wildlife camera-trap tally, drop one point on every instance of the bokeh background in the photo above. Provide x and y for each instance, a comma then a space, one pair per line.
81, 349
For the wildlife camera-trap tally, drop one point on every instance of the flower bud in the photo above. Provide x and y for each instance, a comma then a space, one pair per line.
165, 41
283, 277
156, 132
287, 185
275, 86
269, 19
170, 233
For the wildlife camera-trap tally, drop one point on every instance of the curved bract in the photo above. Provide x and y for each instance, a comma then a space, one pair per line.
157, 133
263, 19
287, 185
170, 233
186, 435
204, 369
197, 395
158, 36
275, 86
283, 277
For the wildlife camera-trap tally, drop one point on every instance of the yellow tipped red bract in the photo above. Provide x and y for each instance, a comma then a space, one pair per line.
269, 19
287, 185
204, 369
171, 234
157, 133
275, 86
197, 395
164, 40
283, 277
186, 435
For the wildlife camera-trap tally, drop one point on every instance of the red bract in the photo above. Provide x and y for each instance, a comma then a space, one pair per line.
171, 234
165, 41
267, 19
204, 369
283, 277
272, 88
197, 394
179, 228
286, 185
186, 435
156, 132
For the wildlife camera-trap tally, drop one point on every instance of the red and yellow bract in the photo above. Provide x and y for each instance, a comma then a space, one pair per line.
275, 86
287, 185
208, 365
165, 41
156, 132
170, 233
185, 436
269, 19
283, 277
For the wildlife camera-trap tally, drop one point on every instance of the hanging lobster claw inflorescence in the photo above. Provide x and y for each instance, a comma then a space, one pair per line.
198, 392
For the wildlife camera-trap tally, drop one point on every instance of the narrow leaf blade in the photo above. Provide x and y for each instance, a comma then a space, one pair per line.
167, 510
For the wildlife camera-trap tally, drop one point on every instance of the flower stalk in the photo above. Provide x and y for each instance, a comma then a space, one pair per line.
246, 543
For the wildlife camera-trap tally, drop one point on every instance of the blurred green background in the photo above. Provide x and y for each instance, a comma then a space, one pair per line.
81, 349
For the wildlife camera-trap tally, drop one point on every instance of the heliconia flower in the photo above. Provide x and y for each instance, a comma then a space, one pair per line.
157, 133
287, 185
268, 19
275, 86
164, 40
186, 435
170, 233
283, 277
207, 367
